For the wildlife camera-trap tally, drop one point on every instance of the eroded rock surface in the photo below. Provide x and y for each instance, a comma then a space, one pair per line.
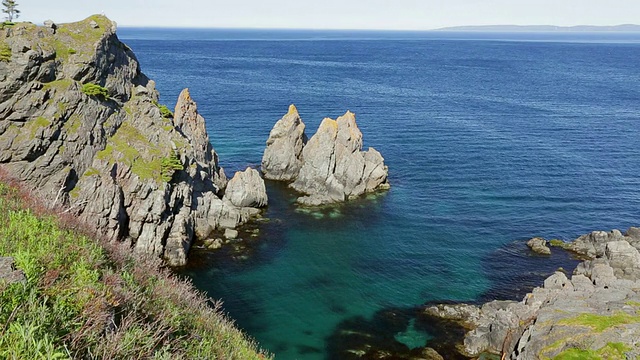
332, 166
81, 123
8, 273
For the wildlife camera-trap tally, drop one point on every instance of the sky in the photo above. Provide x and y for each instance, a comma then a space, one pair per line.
337, 14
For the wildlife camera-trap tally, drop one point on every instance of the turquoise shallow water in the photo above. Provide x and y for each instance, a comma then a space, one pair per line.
490, 140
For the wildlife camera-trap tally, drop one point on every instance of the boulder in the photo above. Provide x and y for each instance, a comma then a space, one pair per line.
282, 157
247, 189
539, 245
8, 273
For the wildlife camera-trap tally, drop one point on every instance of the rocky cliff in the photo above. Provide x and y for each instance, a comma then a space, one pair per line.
592, 314
81, 124
330, 167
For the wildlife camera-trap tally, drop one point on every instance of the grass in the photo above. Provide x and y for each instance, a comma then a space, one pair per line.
600, 323
5, 52
612, 351
85, 298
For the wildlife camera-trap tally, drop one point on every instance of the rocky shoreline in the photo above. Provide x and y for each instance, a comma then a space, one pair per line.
595, 311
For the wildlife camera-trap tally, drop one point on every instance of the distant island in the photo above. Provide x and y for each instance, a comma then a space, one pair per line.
544, 28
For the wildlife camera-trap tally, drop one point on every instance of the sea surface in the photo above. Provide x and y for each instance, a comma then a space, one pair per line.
490, 139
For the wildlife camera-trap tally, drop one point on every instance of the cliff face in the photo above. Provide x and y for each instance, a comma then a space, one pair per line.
81, 124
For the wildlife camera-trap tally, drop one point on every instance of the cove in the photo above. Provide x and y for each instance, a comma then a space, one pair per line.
488, 141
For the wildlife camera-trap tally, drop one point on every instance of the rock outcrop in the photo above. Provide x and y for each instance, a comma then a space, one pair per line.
331, 167
282, 157
81, 123
592, 314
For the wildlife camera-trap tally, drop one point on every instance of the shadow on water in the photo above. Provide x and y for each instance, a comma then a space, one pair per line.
513, 270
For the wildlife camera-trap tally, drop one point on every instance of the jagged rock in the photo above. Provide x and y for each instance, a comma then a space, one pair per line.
539, 245
116, 161
8, 273
593, 244
247, 189
282, 157
334, 168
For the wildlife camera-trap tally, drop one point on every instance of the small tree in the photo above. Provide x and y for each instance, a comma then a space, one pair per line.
10, 7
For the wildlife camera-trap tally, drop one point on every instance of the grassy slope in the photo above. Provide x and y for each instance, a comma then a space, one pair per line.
87, 299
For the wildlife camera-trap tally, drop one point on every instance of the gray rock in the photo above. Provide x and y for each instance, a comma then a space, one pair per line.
8, 273
50, 24
247, 189
624, 259
539, 245
230, 234
94, 24
334, 167
282, 157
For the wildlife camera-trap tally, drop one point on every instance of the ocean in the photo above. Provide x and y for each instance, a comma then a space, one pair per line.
490, 139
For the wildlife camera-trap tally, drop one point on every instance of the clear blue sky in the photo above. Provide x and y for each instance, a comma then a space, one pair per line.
337, 14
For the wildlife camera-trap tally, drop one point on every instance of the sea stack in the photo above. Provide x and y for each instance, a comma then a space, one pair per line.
332, 166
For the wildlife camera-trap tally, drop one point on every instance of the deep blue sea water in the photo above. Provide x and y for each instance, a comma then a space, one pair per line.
490, 139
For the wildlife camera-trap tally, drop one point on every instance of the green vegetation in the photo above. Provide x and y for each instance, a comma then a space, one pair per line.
559, 243
612, 351
600, 323
87, 299
165, 112
5, 52
95, 90
132, 148
169, 166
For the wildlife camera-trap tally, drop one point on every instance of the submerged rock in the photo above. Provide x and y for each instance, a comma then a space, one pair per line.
332, 166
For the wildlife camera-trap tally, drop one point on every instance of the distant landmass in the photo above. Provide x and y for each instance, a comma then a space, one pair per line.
545, 28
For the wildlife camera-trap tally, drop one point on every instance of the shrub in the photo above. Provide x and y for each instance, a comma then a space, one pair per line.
169, 166
165, 112
95, 90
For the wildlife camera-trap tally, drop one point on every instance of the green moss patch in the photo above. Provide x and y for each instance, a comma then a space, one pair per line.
600, 323
5, 52
612, 351
132, 148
